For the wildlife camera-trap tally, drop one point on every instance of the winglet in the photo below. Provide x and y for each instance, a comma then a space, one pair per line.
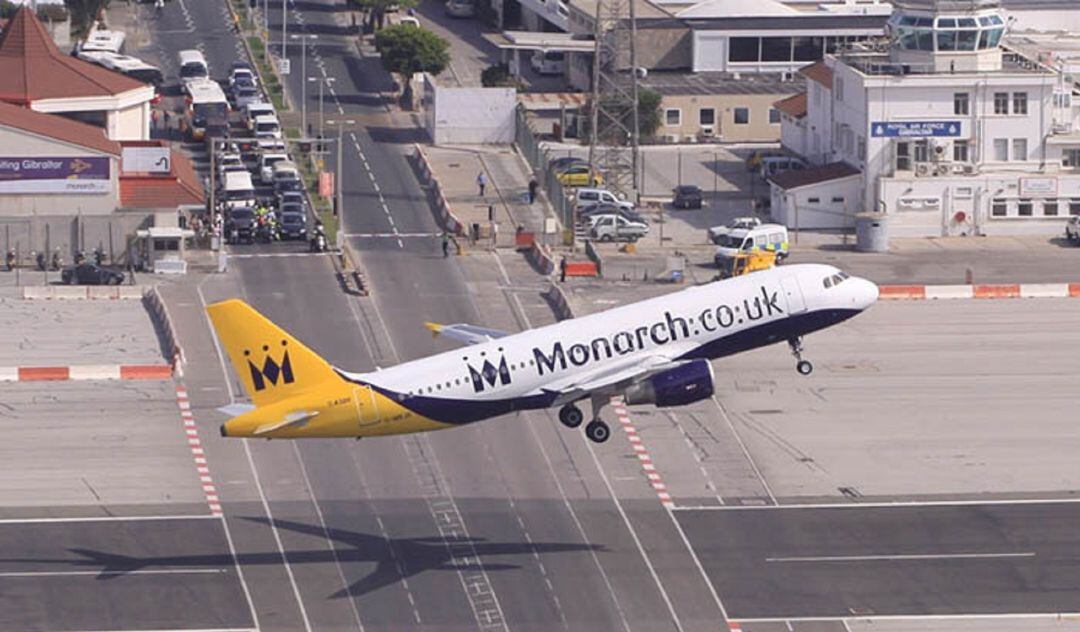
434, 328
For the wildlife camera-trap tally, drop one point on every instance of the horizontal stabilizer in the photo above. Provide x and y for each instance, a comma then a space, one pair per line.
298, 418
464, 332
236, 409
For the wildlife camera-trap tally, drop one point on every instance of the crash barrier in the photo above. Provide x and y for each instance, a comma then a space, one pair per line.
979, 291
170, 266
86, 372
159, 313
446, 216
541, 259
557, 298
82, 292
581, 269
351, 273
524, 240
594, 256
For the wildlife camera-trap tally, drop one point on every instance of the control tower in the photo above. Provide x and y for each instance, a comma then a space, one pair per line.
940, 36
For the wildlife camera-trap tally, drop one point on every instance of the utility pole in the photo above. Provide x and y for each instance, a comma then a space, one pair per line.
338, 184
303, 75
615, 130
284, 29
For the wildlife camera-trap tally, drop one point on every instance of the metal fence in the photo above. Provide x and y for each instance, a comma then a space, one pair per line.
538, 158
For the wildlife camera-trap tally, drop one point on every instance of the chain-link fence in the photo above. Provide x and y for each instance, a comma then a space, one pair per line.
539, 158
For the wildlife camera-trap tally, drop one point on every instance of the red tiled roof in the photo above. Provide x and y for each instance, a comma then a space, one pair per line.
57, 127
146, 190
793, 179
819, 72
33, 68
795, 105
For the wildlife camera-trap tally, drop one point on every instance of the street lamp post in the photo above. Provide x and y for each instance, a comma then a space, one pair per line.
303, 75
284, 29
322, 82
340, 205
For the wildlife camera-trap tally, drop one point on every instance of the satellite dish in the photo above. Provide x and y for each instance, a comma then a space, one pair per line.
642, 72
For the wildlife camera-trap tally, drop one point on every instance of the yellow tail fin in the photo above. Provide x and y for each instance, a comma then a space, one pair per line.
272, 364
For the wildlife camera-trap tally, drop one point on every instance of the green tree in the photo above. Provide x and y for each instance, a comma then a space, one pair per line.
377, 9
648, 112
497, 76
407, 49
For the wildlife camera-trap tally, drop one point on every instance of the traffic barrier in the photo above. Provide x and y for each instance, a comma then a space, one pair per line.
541, 259
110, 292
581, 269
86, 372
979, 291
996, 291
524, 240
70, 292
31, 292
159, 312
145, 372
43, 373
443, 210
559, 304
94, 372
594, 256
1044, 290
81, 292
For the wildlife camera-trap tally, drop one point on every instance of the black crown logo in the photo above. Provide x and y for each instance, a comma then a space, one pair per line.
271, 369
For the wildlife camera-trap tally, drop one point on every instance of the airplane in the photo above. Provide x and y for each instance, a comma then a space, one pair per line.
655, 351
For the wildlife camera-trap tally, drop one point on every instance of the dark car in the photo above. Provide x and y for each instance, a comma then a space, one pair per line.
91, 274
605, 208
242, 222
287, 186
293, 225
287, 198
687, 196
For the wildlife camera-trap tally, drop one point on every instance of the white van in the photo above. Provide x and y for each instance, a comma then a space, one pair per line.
257, 109
549, 62
192, 67
770, 237
267, 126
772, 165
285, 170
587, 198
104, 41
266, 165
239, 191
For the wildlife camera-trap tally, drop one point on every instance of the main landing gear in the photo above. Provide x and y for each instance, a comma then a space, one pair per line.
802, 366
596, 430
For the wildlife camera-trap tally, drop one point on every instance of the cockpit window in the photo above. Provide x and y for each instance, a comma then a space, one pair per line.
835, 279
828, 282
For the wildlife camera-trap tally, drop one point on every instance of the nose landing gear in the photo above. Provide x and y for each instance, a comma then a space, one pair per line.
802, 366
596, 430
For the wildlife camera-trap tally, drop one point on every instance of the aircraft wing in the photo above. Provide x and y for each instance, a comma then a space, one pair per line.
612, 378
464, 332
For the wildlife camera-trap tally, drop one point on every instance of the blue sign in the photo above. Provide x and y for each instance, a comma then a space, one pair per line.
915, 128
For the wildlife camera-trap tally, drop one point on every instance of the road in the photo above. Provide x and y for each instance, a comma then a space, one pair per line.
511, 524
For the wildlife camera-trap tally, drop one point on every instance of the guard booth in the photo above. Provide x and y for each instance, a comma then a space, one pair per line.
162, 249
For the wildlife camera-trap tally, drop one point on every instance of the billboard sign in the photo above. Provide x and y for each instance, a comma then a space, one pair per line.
917, 129
1038, 187
146, 160
64, 174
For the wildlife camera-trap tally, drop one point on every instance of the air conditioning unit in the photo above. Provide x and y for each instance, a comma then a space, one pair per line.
923, 169
787, 75
940, 149
708, 130
943, 169
963, 167
671, 138
689, 139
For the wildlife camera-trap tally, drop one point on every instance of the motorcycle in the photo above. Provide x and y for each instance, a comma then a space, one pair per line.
10, 260
80, 258
57, 260
99, 256
318, 243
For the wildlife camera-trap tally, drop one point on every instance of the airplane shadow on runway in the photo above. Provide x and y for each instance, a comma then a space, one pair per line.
395, 558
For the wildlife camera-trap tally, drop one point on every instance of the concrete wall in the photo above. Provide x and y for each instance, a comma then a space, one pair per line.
757, 130
18, 144
71, 233
469, 115
131, 123
829, 205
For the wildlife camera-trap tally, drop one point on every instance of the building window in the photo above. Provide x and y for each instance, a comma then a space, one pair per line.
1074, 207
743, 48
965, 193
903, 156
999, 207
961, 104
673, 117
960, 151
1071, 158
1019, 103
742, 116
1024, 208
1001, 103
813, 200
707, 116
776, 49
1019, 149
774, 116
1050, 208
922, 151
1001, 149
838, 199
808, 48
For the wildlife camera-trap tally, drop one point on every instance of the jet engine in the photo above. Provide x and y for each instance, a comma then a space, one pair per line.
684, 384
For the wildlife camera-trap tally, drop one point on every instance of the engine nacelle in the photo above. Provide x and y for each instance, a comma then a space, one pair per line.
682, 385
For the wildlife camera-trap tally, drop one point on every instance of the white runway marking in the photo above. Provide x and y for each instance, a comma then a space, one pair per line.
157, 571
885, 505
105, 519
900, 558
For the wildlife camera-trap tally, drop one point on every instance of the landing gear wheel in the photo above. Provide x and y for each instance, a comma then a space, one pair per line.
597, 431
571, 416
804, 367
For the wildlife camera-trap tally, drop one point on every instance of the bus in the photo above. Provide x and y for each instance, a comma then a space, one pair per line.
208, 110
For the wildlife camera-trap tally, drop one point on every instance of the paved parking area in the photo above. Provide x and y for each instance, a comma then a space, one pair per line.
120, 574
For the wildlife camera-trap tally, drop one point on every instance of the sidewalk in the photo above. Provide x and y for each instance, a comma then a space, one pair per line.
456, 169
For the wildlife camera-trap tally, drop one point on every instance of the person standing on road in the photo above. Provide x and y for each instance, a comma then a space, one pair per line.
481, 182
533, 187
445, 244
562, 269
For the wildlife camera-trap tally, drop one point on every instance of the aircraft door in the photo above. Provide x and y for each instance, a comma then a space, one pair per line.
793, 295
366, 409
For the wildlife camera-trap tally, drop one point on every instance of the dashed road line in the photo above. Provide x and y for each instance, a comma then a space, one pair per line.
642, 453
197, 452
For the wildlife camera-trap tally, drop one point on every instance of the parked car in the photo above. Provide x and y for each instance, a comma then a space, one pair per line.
687, 196
580, 175
240, 226
549, 62
266, 165
244, 94
560, 164
616, 228
293, 223
284, 186
773, 165
587, 198
460, 8
286, 198
765, 237
717, 232
1072, 229
91, 274
612, 209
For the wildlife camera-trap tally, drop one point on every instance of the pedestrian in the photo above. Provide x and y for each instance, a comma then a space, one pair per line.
562, 269
445, 244
494, 234
481, 181
533, 186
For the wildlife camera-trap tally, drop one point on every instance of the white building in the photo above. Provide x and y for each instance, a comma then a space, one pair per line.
951, 132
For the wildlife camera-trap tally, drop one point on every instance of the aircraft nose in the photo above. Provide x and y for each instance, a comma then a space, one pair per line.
866, 292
